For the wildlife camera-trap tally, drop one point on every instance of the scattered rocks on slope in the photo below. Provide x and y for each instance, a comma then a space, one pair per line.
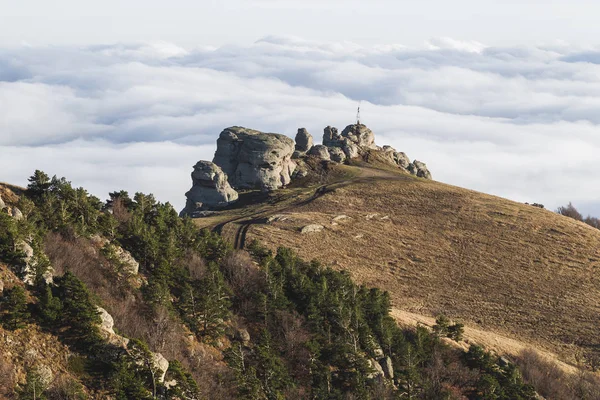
129, 265
255, 160
210, 189
312, 228
304, 140
419, 169
320, 151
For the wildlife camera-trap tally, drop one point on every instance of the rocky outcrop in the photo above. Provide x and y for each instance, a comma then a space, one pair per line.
312, 228
360, 135
16, 213
387, 367
127, 263
320, 151
107, 329
255, 160
161, 364
210, 189
331, 137
419, 169
2, 205
337, 154
304, 140
377, 371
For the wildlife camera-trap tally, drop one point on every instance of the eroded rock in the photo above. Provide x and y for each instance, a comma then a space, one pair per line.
320, 151
210, 189
331, 137
2, 205
312, 228
304, 140
161, 364
255, 160
360, 135
387, 367
419, 169
337, 154
16, 213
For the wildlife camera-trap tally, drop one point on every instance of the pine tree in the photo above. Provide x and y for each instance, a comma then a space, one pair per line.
14, 304
79, 312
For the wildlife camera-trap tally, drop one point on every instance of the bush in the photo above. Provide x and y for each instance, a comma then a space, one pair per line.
14, 305
570, 211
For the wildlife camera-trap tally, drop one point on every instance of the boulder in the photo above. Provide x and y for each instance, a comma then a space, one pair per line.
210, 189
255, 160
304, 140
2, 205
161, 364
107, 321
312, 228
360, 135
16, 213
242, 335
377, 370
320, 151
28, 270
419, 169
387, 367
350, 149
337, 154
402, 159
331, 137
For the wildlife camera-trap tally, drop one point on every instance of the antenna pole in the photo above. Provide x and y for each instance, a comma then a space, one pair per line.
358, 115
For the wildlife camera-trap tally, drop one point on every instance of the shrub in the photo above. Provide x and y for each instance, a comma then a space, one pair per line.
570, 211
14, 305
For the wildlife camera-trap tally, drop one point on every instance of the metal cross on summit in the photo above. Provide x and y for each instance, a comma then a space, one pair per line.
358, 115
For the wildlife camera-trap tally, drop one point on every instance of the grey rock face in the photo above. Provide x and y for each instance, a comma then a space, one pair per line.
402, 159
337, 154
360, 134
304, 140
210, 189
107, 321
161, 364
419, 169
388, 367
320, 151
377, 370
350, 149
16, 214
2, 205
331, 137
255, 160
312, 228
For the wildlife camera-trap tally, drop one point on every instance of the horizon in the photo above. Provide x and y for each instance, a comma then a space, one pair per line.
508, 112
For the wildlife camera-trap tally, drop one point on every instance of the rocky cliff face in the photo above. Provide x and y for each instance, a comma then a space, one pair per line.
210, 189
255, 160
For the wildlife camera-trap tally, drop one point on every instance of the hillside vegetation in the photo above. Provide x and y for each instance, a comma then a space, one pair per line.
505, 267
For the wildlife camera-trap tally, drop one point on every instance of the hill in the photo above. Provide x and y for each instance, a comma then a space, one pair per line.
501, 266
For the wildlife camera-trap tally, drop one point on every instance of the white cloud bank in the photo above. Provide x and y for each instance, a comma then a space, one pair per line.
516, 122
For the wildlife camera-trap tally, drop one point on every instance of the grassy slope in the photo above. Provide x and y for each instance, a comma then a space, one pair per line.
493, 263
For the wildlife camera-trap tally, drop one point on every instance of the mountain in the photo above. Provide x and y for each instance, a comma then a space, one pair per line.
296, 271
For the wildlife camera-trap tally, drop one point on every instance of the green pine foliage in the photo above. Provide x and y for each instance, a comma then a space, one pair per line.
14, 306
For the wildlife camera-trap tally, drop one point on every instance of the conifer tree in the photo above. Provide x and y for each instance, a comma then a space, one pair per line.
14, 305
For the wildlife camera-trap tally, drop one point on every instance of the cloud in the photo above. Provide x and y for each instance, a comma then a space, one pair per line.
518, 122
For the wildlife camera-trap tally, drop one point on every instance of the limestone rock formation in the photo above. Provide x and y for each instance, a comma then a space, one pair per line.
107, 321
377, 370
419, 169
320, 151
359, 134
397, 157
210, 189
161, 364
312, 228
337, 154
255, 160
388, 367
2, 205
350, 149
304, 140
16, 213
128, 263
331, 137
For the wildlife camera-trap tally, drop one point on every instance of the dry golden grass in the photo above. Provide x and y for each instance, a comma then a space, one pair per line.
514, 269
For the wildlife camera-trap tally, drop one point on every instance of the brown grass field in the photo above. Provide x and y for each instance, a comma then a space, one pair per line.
502, 267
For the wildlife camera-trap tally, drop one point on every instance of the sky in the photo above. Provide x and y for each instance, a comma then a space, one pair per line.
499, 97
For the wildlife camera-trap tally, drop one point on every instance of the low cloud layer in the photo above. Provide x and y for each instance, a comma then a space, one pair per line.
521, 123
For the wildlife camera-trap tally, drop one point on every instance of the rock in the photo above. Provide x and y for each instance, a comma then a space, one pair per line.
1, 286
255, 160
340, 217
242, 335
402, 159
331, 137
377, 370
419, 169
337, 154
312, 228
16, 213
107, 321
320, 151
28, 270
128, 263
360, 135
2, 205
387, 367
378, 352
350, 149
304, 140
161, 364
210, 189
277, 218
503, 362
